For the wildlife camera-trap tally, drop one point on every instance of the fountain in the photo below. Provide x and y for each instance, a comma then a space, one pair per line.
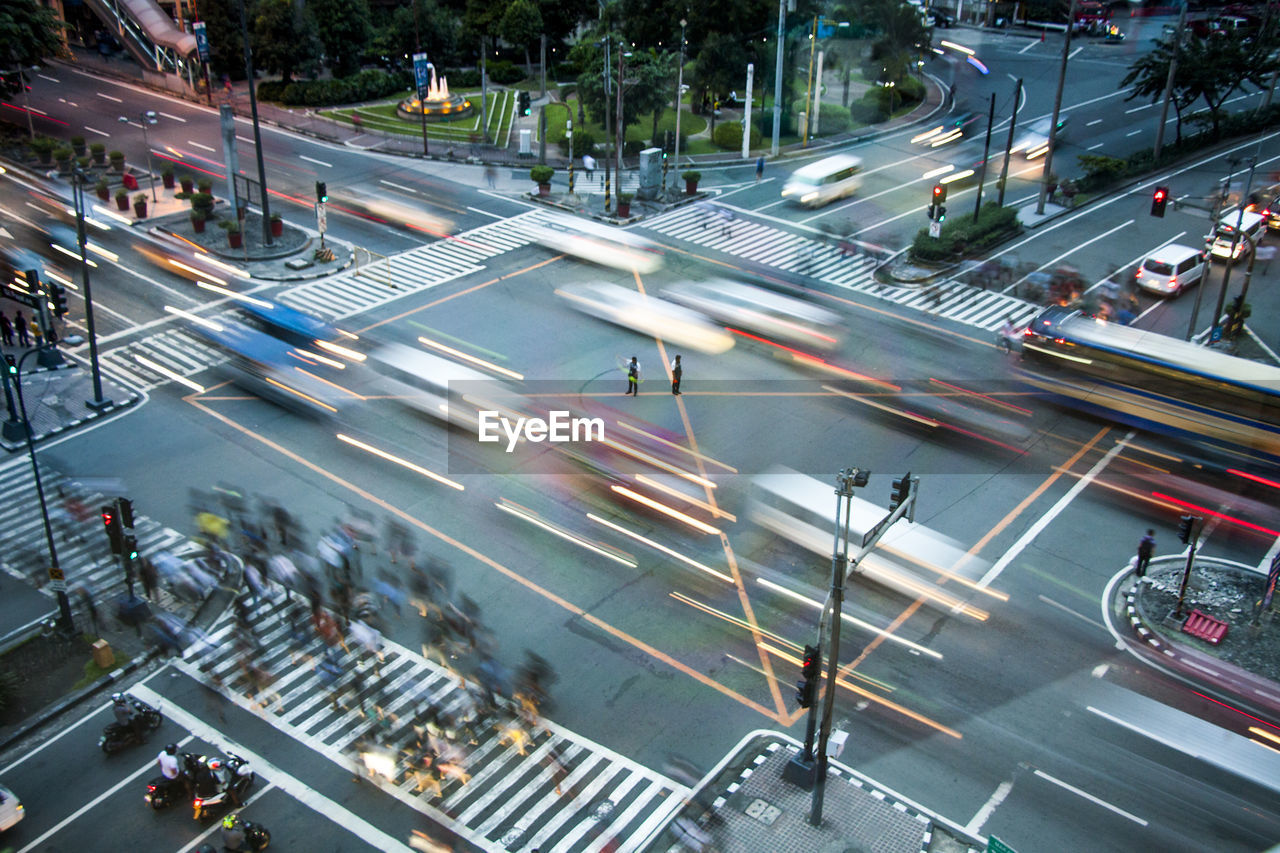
439, 105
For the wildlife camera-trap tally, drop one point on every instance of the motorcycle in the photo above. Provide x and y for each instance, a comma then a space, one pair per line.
116, 737
163, 792
256, 836
219, 782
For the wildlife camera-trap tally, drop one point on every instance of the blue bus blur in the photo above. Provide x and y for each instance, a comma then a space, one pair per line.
290, 324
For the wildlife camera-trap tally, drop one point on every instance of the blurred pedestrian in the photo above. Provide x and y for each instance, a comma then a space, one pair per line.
150, 578
633, 377
6, 329
20, 325
37, 333
759, 168
589, 165
1008, 334
491, 176
677, 371
1146, 547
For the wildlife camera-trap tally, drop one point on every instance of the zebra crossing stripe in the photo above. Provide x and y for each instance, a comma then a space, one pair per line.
511, 790
803, 255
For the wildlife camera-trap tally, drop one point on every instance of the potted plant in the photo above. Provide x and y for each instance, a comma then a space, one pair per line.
42, 147
188, 183
167, 177
140, 205
78, 146
277, 225
197, 221
98, 151
117, 160
541, 175
234, 237
624, 204
204, 185
82, 162
122, 198
691, 179
104, 191
202, 202
63, 155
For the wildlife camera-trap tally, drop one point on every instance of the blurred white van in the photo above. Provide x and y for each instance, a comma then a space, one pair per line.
824, 181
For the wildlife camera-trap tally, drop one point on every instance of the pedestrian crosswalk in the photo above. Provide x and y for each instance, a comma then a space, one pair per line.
816, 259
84, 554
376, 281
518, 790
156, 359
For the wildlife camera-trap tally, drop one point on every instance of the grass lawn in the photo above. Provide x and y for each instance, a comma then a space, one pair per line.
559, 113
382, 116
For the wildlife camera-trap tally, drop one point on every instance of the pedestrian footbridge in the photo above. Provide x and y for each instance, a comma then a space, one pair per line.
151, 36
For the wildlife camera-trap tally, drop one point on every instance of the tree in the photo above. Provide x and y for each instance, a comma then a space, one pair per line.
226, 47
560, 18
655, 75
902, 36
521, 23
345, 29
721, 63
28, 34
284, 38
1211, 69
395, 34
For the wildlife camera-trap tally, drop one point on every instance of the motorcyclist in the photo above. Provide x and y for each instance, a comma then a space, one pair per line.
168, 761
233, 832
127, 716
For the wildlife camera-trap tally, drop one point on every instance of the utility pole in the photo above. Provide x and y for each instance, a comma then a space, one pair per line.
98, 403
1168, 83
1235, 242
813, 44
1008, 144
265, 204
777, 74
1213, 225
986, 155
680, 96
607, 91
1057, 109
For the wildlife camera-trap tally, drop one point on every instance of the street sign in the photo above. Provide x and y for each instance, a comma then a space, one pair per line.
56, 574
202, 40
995, 845
321, 219
935, 229
421, 73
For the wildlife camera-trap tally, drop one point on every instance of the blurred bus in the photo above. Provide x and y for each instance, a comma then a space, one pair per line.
600, 244
781, 319
436, 386
910, 558
1155, 382
648, 316
294, 377
296, 327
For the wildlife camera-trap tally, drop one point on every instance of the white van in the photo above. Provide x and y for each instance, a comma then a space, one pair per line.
1170, 270
1251, 224
824, 181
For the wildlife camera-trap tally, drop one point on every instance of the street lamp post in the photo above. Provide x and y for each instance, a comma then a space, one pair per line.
59, 583
77, 194
679, 92
777, 78
146, 117
265, 203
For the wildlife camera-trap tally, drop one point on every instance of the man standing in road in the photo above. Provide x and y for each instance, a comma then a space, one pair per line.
1146, 547
676, 372
6, 330
633, 378
759, 168
20, 324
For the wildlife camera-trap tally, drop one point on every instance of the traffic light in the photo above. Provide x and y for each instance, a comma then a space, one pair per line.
901, 491
942, 212
322, 192
939, 193
129, 547
125, 506
669, 142
1184, 528
111, 520
933, 211
10, 364
1158, 200
58, 298
807, 686
523, 100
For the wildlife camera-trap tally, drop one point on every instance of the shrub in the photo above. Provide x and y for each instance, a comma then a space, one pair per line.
766, 124
962, 234
541, 174
42, 145
167, 172
9, 684
63, 153
116, 155
468, 79
832, 118
625, 198
122, 193
204, 185
691, 175
229, 225
504, 72
583, 143
97, 148
83, 162
141, 198
367, 85
102, 184
77, 142
202, 202
728, 135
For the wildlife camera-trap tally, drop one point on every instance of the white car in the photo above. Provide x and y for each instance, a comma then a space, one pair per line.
10, 809
648, 315
780, 318
1034, 141
600, 244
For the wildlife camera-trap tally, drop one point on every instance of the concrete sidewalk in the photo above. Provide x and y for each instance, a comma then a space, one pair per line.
57, 399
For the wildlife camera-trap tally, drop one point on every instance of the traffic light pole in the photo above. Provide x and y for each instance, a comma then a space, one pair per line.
59, 583
77, 193
1192, 539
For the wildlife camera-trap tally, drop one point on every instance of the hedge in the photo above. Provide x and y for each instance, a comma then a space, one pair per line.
908, 90
367, 85
728, 135
961, 234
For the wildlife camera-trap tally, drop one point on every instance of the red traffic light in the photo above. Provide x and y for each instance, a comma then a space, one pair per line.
939, 192
1160, 194
108, 517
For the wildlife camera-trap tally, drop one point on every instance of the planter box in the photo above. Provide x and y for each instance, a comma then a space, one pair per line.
690, 187
277, 228
198, 225
235, 239
122, 202
104, 194
169, 182
544, 190
140, 209
624, 209
188, 185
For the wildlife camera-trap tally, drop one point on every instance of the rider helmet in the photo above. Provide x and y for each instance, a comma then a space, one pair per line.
117, 698
230, 821
171, 748
214, 764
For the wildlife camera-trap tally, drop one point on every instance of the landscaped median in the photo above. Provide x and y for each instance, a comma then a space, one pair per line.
381, 117
962, 234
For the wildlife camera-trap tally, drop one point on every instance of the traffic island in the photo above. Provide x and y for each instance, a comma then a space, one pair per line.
294, 253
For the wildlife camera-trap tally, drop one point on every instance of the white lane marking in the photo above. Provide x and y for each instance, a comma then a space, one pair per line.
110, 98
68, 730
304, 794
1066, 609
245, 141
1030, 45
53, 830
1138, 109
1096, 146
95, 130
47, 77
1092, 123
217, 824
988, 808
195, 144
1134, 132
173, 117
1090, 797
1100, 670
1072, 54
1044, 521
485, 212
397, 186
313, 160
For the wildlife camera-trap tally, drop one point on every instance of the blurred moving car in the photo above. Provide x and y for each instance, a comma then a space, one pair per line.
1034, 141
391, 210
952, 130
824, 181
648, 315
600, 244
783, 319
11, 811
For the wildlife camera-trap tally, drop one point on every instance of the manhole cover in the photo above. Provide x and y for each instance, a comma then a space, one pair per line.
763, 812
604, 809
